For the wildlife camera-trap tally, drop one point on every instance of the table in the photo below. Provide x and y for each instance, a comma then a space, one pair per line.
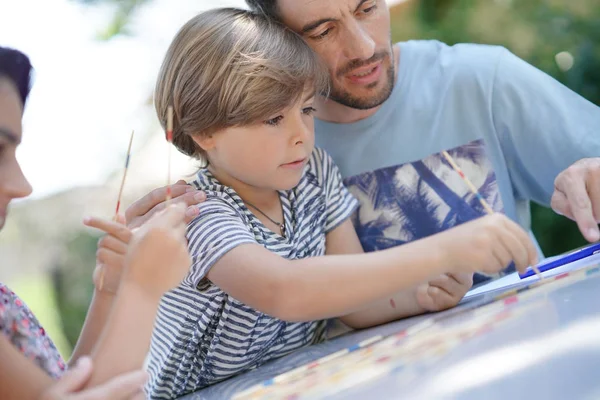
550, 350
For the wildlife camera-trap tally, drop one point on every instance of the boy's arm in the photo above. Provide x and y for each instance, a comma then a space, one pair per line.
440, 293
317, 288
325, 287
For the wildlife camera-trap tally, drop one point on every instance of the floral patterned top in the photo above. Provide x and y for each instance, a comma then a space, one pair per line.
22, 329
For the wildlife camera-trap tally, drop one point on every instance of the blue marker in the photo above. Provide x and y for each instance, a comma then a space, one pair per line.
566, 259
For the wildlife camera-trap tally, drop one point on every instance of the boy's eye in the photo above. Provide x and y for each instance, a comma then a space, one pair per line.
274, 121
308, 110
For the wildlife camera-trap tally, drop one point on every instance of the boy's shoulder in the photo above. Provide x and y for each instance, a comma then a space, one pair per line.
320, 166
220, 199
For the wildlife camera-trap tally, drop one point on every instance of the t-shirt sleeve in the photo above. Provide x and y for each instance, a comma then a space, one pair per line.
542, 125
217, 230
339, 203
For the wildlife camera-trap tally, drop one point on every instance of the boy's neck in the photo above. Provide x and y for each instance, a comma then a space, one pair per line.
267, 200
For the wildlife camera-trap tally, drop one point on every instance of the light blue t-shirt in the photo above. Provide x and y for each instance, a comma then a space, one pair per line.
509, 126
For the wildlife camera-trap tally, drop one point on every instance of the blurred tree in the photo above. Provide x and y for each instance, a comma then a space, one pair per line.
123, 11
560, 37
72, 280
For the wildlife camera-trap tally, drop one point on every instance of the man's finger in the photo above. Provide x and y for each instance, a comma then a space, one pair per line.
560, 204
174, 215
593, 188
581, 206
120, 219
141, 207
190, 199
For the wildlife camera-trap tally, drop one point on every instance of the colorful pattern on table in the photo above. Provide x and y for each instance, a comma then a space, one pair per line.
424, 343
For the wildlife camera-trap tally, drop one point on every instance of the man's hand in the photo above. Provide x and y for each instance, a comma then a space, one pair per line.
577, 196
444, 292
155, 201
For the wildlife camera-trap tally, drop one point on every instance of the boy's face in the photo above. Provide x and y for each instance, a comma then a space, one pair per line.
270, 154
353, 38
12, 182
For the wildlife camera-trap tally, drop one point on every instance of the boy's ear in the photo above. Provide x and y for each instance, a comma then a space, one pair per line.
206, 143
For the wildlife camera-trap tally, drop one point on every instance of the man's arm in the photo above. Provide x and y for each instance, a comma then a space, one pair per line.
546, 130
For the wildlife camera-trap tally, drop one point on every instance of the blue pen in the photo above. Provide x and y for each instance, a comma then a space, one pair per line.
566, 259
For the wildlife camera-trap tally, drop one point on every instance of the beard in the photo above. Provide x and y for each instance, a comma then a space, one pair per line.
344, 97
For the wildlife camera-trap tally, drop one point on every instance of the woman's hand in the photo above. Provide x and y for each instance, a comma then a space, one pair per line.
69, 387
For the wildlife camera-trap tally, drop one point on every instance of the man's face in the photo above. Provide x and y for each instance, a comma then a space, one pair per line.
353, 38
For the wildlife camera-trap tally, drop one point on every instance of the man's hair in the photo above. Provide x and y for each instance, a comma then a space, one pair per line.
266, 7
229, 67
16, 67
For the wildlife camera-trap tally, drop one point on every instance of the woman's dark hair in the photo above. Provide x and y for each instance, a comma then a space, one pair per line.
16, 67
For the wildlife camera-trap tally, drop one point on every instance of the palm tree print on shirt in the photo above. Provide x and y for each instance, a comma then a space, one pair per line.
414, 200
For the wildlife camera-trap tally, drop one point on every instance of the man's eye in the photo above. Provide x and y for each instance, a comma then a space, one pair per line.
322, 34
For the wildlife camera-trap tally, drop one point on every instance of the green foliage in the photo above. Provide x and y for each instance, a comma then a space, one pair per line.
123, 12
535, 30
72, 279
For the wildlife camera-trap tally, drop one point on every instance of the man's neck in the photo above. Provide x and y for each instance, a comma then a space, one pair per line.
331, 111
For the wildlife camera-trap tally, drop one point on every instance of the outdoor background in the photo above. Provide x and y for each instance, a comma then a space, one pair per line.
96, 61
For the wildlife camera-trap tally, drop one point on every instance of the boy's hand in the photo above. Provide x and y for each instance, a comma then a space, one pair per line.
110, 256
444, 292
143, 209
488, 244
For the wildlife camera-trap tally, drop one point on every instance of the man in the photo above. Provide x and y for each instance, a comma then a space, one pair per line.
518, 134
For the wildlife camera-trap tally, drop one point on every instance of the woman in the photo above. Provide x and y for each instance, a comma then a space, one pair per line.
119, 323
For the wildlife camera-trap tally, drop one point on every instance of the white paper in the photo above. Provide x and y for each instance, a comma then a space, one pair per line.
512, 279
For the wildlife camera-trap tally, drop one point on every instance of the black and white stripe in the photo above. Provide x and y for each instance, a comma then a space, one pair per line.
202, 335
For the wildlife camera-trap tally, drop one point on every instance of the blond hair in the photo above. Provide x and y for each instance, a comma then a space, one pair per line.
231, 67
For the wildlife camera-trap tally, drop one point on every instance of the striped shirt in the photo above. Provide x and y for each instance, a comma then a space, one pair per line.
202, 334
